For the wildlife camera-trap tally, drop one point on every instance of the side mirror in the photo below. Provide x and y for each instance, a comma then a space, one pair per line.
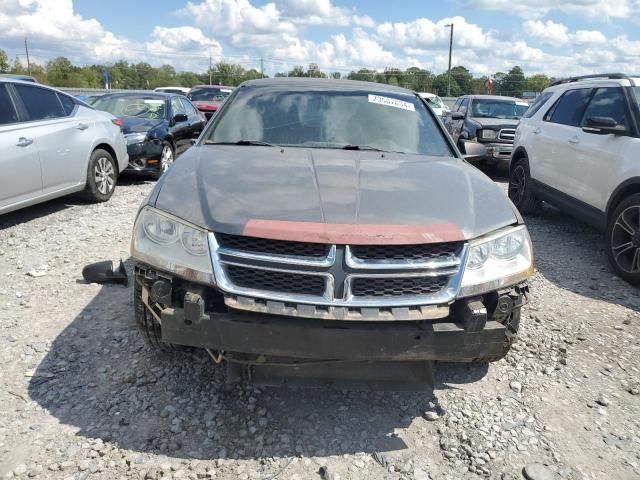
603, 126
180, 117
457, 116
474, 151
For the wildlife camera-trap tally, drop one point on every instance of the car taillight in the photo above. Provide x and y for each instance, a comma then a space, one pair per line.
118, 122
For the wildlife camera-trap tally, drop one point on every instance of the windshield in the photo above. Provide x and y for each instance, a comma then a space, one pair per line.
487, 108
132, 106
209, 94
434, 101
330, 119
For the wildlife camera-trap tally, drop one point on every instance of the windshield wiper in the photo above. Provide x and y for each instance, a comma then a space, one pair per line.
362, 147
242, 142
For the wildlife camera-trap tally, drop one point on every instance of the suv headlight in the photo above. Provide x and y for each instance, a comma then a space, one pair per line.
498, 260
488, 134
173, 245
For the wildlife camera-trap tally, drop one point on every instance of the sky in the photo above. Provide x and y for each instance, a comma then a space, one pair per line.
555, 37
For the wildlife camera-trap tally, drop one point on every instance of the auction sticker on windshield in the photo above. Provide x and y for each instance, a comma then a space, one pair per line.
392, 102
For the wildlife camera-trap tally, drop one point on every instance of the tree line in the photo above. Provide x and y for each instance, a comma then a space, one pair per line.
60, 72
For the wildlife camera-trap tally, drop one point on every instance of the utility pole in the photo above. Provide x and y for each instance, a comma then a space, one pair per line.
261, 66
26, 48
210, 70
450, 50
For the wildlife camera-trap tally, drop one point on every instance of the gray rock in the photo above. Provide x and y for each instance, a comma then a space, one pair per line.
21, 469
537, 471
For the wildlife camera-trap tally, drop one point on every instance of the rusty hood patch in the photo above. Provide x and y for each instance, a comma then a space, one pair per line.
337, 196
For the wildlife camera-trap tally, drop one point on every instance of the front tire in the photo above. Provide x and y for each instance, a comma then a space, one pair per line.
102, 175
166, 160
520, 191
623, 239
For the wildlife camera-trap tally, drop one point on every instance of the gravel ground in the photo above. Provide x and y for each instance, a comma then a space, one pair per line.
82, 396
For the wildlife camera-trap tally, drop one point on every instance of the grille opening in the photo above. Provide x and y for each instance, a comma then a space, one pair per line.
435, 251
284, 282
272, 247
397, 286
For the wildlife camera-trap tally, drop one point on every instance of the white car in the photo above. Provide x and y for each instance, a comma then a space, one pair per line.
53, 144
179, 90
578, 147
435, 102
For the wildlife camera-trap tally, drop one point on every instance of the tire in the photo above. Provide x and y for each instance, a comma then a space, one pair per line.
520, 191
623, 239
167, 158
102, 176
148, 325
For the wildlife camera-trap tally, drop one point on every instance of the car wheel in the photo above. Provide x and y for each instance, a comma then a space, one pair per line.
623, 239
520, 191
147, 323
102, 175
166, 160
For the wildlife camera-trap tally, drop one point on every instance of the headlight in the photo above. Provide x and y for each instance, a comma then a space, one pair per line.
171, 244
489, 134
132, 138
499, 260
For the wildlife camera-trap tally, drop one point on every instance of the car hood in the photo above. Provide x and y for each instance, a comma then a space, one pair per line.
306, 194
203, 105
496, 123
139, 125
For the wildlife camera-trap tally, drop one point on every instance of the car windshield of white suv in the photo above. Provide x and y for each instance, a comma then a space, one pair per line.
488, 108
434, 101
131, 106
350, 120
209, 94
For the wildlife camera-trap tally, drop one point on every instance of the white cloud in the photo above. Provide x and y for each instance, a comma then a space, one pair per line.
322, 12
549, 32
589, 36
592, 9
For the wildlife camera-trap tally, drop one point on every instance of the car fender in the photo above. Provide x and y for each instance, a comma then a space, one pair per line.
625, 188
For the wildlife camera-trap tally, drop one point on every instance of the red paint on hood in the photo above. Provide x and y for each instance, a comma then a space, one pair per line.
206, 106
347, 234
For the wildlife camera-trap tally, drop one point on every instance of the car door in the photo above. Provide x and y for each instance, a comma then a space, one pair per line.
552, 158
64, 140
599, 160
20, 174
180, 130
196, 123
457, 126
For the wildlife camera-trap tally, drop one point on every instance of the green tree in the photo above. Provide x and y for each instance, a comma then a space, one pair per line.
18, 68
513, 82
537, 83
440, 85
463, 78
4, 62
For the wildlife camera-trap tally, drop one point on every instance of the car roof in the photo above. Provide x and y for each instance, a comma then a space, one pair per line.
492, 97
212, 86
325, 83
17, 76
141, 94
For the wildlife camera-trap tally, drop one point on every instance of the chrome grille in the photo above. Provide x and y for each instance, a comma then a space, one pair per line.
397, 286
508, 134
348, 282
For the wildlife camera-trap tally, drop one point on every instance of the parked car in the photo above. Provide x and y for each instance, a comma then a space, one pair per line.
208, 98
176, 90
487, 119
324, 220
577, 147
436, 103
16, 76
89, 99
157, 127
53, 145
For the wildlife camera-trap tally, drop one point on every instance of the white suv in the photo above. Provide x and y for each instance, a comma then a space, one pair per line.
578, 147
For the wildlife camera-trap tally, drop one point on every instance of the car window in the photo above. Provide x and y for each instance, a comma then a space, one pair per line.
209, 94
8, 112
636, 91
67, 103
141, 106
495, 108
176, 106
537, 104
463, 106
188, 108
569, 108
457, 104
607, 102
40, 103
331, 119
